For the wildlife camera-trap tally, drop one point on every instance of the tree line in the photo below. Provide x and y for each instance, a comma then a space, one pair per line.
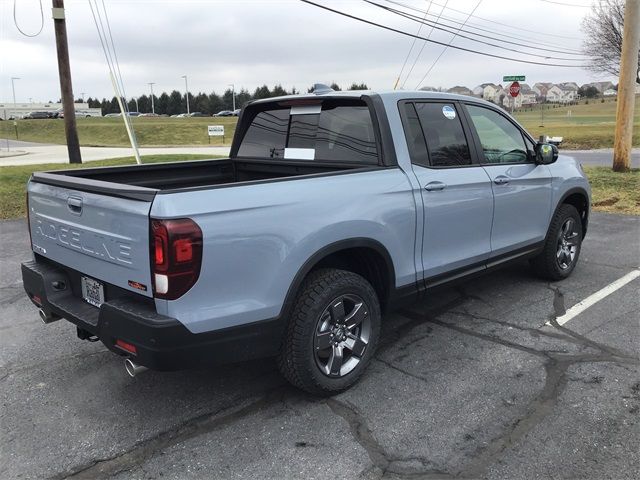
175, 102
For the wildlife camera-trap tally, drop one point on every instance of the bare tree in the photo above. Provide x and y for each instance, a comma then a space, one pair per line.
603, 43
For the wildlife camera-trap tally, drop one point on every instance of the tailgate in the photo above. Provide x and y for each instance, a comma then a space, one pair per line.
103, 237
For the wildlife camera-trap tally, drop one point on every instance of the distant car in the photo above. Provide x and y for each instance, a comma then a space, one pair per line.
182, 115
198, 114
37, 115
236, 112
134, 114
148, 115
224, 113
111, 115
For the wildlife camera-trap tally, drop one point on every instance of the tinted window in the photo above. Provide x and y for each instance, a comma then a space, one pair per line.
414, 136
345, 134
267, 135
339, 133
442, 129
501, 140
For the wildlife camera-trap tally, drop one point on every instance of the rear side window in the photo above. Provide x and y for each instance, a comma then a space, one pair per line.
445, 139
336, 133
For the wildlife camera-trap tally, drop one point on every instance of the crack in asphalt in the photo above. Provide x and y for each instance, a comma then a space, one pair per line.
387, 464
142, 451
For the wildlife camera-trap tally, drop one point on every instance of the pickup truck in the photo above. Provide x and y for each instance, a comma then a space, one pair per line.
333, 208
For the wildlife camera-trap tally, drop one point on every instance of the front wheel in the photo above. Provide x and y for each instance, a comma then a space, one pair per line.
332, 333
562, 246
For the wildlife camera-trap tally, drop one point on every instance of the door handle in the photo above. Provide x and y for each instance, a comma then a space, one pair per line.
501, 180
434, 186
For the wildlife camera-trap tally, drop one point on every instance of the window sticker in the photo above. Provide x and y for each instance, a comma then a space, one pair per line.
449, 112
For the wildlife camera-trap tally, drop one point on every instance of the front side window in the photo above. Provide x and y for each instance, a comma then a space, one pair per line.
446, 142
502, 141
336, 133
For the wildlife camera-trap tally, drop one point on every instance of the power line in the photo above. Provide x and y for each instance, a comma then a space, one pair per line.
15, 21
411, 48
445, 48
527, 45
422, 48
401, 32
566, 4
520, 29
415, 19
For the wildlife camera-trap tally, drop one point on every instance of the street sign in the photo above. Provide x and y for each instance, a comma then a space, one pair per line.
514, 89
215, 130
513, 78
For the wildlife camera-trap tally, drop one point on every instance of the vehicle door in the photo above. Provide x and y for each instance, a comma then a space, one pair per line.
521, 188
455, 190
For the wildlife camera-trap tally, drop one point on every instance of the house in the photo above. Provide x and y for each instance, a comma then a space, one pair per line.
487, 91
570, 92
569, 85
431, 89
600, 86
541, 89
460, 91
562, 94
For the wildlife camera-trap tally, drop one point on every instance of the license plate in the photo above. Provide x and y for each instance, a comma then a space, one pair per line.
92, 291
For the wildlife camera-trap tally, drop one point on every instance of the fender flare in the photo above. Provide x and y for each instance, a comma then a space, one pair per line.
330, 249
566, 195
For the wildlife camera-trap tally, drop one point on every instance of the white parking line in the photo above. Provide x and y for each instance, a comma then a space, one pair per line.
580, 307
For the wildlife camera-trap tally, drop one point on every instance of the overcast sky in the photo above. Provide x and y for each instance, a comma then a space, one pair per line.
249, 43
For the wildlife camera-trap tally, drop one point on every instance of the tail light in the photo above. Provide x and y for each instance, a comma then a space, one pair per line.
176, 256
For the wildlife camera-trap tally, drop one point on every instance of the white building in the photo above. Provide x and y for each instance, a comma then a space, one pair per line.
19, 110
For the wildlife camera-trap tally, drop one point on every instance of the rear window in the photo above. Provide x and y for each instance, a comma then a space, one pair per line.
330, 133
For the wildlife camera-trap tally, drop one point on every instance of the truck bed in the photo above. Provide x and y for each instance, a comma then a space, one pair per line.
179, 175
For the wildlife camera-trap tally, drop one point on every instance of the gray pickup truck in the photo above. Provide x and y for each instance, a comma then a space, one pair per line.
333, 208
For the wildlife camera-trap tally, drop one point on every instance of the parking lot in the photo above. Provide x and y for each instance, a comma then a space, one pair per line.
476, 381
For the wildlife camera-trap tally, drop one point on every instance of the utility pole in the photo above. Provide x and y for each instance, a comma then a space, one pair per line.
13, 89
626, 87
64, 70
153, 108
186, 87
82, 93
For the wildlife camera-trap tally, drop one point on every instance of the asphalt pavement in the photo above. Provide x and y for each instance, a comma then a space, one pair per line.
470, 383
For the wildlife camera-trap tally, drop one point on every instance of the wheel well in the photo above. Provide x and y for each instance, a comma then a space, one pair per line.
580, 202
366, 262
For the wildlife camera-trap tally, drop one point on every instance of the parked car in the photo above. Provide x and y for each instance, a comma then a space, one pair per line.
236, 112
37, 115
332, 209
149, 115
198, 114
112, 115
224, 113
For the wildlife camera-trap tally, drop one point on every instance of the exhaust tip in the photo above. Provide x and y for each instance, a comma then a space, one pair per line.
47, 318
133, 368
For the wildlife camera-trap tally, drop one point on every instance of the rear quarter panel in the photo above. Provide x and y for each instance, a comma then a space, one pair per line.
257, 237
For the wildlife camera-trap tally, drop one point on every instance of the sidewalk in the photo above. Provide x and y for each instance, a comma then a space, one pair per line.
58, 153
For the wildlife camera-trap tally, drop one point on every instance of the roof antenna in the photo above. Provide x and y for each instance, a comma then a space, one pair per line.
320, 88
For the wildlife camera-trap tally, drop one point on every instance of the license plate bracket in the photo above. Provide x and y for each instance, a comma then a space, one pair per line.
92, 291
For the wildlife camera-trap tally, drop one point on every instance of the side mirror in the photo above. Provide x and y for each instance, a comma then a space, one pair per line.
546, 153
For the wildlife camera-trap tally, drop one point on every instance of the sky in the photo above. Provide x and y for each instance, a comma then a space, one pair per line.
250, 43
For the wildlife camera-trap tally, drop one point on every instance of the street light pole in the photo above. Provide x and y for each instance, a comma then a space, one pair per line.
135, 99
186, 87
233, 95
13, 89
153, 108
82, 93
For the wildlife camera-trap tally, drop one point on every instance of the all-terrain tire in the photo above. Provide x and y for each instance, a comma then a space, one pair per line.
298, 360
552, 263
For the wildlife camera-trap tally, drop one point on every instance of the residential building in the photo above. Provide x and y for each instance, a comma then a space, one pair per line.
460, 91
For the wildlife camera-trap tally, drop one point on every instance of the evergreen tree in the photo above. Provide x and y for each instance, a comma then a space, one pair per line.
174, 106
335, 86
358, 86
162, 104
261, 92
278, 91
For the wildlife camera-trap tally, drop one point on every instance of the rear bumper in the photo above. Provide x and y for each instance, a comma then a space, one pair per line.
162, 343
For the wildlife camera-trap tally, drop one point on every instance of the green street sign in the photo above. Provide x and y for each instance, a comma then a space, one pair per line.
513, 78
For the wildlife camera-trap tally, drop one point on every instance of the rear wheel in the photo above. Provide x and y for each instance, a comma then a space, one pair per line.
562, 246
332, 334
